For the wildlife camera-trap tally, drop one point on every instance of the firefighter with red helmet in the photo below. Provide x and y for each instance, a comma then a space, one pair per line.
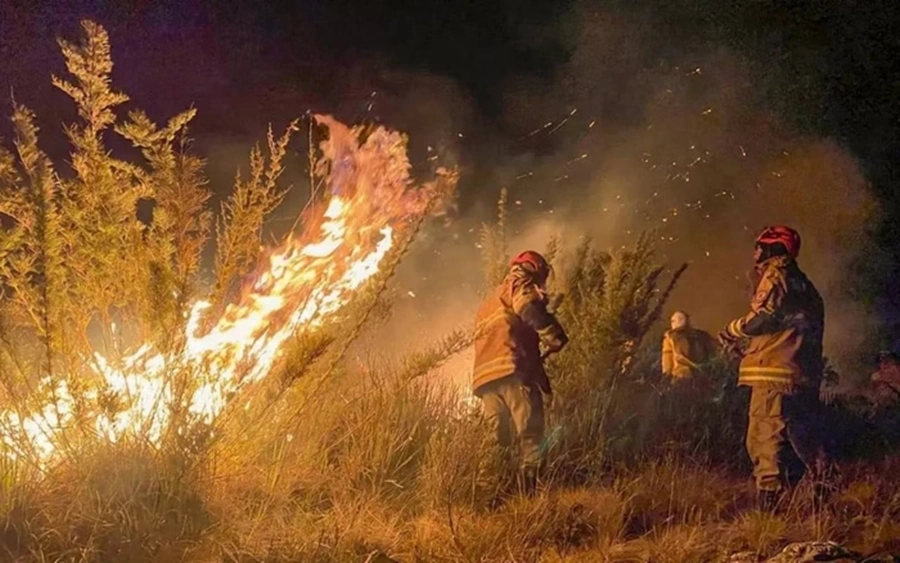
514, 332
780, 344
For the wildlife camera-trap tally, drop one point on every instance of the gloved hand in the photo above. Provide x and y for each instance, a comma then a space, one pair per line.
726, 339
554, 301
730, 344
550, 348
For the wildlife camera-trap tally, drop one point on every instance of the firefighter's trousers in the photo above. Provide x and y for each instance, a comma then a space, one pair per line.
777, 421
515, 412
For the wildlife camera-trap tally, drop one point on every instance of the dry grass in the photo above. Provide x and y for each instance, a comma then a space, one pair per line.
384, 469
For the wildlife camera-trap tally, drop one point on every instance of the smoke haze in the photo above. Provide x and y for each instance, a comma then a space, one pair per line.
614, 146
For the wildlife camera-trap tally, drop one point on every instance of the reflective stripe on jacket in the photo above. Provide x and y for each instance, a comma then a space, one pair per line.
784, 328
509, 328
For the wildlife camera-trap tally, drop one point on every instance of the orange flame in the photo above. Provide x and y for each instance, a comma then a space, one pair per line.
307, 281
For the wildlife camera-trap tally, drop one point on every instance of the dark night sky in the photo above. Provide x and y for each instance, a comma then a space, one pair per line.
245, 63
440, 68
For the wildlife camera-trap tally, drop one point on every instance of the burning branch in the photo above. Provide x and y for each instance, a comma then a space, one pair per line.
240, 222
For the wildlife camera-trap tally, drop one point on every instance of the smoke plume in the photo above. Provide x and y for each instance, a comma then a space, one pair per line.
624, 141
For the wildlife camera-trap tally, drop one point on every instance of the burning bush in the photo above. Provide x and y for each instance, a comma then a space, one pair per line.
76, 255
105, 343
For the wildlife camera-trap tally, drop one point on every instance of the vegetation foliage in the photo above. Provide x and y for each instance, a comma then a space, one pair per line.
376, 464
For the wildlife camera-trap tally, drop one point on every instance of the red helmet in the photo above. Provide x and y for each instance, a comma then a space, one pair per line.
534, 262
787, 236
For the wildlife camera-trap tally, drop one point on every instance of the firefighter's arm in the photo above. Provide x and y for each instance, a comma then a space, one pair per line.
765, 308
668, 356
530, 305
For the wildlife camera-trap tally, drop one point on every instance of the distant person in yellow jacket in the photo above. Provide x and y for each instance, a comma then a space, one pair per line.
686, 350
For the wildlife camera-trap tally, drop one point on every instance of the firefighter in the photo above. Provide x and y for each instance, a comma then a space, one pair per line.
514, 332
780, 344
686, 355
686, 350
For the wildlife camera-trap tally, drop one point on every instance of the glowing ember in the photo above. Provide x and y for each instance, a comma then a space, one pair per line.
307, 281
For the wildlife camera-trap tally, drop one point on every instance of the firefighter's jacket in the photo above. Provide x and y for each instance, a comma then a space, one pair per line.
685, 351
783, 329
510, 327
